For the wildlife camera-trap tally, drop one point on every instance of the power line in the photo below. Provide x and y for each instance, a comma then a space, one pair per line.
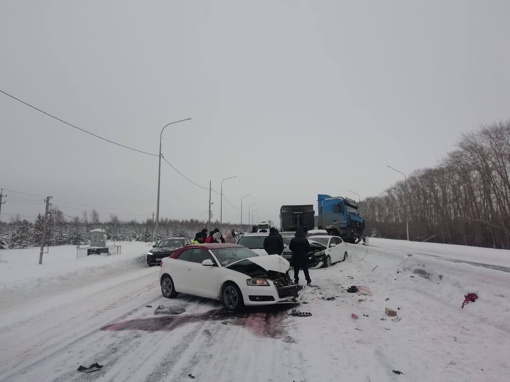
184, 176
76, 127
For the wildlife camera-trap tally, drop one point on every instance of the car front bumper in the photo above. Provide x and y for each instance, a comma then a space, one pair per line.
268, 295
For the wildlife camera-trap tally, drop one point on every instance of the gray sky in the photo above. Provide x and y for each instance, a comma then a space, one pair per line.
295, 98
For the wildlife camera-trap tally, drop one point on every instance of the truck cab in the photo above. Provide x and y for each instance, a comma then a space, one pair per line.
339, 216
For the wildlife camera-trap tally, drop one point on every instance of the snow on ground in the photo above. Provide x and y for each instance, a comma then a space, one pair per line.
71, 311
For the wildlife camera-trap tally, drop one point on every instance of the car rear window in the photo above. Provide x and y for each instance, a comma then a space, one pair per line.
252, 242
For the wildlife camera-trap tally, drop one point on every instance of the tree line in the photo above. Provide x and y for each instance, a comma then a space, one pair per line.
21, 233
464, 200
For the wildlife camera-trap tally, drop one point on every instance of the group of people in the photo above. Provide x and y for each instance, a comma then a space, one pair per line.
299, 245
214, 236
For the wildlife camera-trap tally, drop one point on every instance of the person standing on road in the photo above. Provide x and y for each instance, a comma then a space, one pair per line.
300, 247
273, 244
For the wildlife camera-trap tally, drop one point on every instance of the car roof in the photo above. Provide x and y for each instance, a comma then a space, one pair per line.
256, 234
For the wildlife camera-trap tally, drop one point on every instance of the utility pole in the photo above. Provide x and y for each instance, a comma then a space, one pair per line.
47, 201
2, 196
210, 212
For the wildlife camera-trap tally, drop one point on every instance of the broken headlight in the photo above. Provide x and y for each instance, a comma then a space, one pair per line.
257, 282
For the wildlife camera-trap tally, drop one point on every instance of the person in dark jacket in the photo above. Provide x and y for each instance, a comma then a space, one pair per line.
300, 247
201, 236
273, 244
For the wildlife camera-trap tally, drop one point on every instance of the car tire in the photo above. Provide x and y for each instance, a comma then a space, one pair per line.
232, 297
327, 263
345, 256
168, 287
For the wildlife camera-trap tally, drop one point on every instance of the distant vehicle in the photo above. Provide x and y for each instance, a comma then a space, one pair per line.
254, 241
339, 216
165, 247
293, 217
230, 273
264, 226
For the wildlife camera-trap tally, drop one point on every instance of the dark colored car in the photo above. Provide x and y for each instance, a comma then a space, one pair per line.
164, 248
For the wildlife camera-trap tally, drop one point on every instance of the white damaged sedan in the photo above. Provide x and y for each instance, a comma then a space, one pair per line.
231, 273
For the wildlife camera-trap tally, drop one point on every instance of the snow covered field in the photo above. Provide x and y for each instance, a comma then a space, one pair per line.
101, 309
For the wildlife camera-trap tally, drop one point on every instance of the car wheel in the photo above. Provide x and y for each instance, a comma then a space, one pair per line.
328, 261
345, 256
232, 297
168, 287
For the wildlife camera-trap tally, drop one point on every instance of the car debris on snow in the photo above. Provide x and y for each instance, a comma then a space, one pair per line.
90, 369
299, 313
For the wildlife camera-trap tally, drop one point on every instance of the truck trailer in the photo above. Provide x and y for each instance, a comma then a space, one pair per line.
294, 216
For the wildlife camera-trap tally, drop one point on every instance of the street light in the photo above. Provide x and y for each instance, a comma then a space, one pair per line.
221, 201
249, 208
245, 196
356, 194
407, 197
159, 172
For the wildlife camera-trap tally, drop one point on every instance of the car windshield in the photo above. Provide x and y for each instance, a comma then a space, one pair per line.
171, 243
252, 242
322, 240
228, 256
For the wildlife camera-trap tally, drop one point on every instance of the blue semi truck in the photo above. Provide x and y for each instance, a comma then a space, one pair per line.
339, 216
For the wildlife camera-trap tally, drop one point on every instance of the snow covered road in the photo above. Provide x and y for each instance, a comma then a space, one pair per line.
112, 321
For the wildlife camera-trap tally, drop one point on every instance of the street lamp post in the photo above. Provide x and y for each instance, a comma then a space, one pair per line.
221, 201
407, 197
159, 173
359, 198
245, 196
249, 209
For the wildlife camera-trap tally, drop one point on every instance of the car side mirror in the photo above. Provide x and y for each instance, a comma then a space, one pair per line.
207, 263
332, 245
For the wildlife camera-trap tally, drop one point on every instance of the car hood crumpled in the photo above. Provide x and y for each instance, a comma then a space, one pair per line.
274, 263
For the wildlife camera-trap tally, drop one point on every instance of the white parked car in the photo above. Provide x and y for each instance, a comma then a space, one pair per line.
230, 273
336, 249
254, 241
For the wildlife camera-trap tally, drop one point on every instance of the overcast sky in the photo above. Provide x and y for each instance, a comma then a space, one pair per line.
295, 98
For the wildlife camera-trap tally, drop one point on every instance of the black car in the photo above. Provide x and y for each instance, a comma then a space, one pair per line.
315, 256
164, 248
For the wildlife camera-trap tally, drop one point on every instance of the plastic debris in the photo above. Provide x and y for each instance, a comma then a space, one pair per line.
298, 313
354, 315
470, 297
90, 369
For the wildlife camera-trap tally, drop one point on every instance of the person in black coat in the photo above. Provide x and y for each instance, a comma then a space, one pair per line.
300, 247
273, 244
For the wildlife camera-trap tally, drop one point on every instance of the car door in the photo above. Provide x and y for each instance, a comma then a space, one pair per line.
179, 271
335, 248
202, 280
